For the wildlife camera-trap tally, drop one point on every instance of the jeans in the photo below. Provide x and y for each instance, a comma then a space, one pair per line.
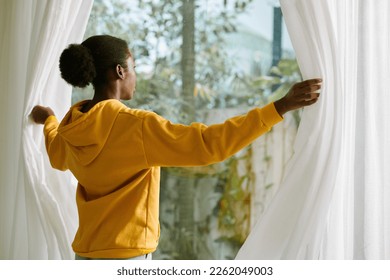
142, 257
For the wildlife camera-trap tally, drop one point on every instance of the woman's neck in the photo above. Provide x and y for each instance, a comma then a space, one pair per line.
101, 94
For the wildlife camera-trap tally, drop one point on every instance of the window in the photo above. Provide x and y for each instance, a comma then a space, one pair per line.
236, 55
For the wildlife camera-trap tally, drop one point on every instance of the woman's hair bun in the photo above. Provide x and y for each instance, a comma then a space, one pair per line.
77, 65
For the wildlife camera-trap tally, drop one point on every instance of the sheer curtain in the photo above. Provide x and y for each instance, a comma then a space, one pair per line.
334, 202
38, 215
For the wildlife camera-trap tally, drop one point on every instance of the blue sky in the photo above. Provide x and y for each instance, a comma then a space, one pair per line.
259, 19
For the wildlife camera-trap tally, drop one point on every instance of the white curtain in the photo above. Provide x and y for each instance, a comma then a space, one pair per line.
38, 216
334, 202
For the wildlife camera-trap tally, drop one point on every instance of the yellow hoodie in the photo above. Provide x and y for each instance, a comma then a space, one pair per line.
116, 152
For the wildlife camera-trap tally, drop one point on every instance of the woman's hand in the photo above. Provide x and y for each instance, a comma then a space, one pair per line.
300, 95
39, 114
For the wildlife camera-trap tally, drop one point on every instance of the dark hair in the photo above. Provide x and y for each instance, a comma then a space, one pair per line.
88, 62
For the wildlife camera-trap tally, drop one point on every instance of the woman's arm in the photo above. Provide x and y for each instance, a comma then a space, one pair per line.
45, 115
168, 144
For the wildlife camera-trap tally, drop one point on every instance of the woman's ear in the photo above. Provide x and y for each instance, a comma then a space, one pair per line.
120, 72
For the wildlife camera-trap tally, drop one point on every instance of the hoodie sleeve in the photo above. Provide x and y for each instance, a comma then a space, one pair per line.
168, 144
54, 144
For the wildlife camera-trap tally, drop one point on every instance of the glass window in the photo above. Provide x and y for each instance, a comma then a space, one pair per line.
204, 61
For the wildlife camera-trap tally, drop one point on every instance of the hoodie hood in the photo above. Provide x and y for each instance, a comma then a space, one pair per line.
86, 134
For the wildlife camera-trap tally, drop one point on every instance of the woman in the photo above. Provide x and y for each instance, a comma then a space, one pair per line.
116, 152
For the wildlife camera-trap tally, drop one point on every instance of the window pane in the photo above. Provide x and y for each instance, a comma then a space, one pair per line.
205, 62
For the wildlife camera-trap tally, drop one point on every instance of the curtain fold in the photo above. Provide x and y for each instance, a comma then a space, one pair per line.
333, 201
38, 214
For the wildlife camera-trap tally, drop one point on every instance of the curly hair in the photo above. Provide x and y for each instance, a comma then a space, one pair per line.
88, 62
